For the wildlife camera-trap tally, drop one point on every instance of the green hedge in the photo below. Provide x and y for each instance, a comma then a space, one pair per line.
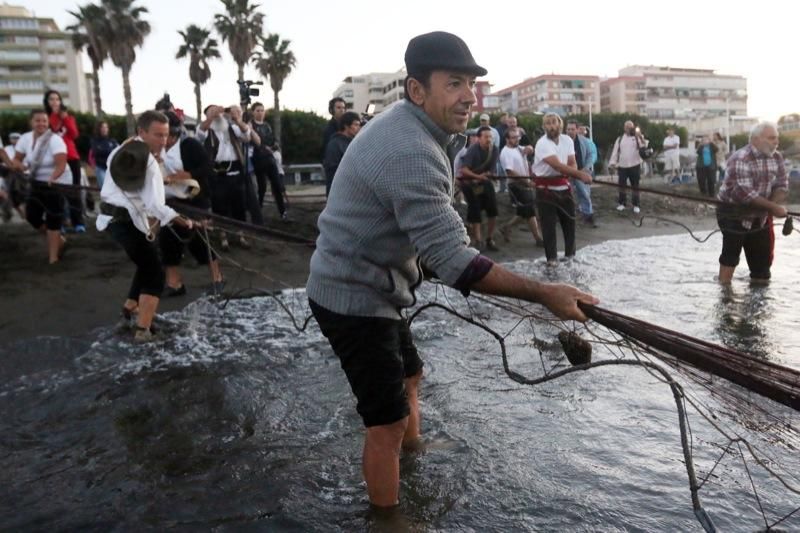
302, 132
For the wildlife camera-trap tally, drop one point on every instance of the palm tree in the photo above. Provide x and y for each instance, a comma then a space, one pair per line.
240, 28
199, 48
275, 61
87, 34
124, 31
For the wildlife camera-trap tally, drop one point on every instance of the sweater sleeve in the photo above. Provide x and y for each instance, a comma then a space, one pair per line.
417, 191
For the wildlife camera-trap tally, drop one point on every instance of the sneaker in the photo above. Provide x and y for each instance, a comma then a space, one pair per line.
244, 243
80, 228
285, 216
224, 245
142, 335
172, 292
636, 210
491, 246
620, 208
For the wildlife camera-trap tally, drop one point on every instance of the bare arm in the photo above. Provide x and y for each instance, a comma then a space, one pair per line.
468, 173
60, 161
568, 169
562, 300
773, 207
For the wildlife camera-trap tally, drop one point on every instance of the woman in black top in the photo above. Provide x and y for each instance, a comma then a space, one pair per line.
101, 146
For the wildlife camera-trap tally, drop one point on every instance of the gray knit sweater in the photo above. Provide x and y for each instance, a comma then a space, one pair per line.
389, 207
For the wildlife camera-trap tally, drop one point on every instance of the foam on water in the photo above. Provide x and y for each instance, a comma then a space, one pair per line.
237, 419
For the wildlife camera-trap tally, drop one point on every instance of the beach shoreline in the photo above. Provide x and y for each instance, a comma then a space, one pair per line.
86, 290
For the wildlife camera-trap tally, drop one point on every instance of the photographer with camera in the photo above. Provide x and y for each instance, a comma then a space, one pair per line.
264, 163
627, 158
222, 134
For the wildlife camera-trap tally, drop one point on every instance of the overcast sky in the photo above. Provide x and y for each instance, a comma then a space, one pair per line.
513, 40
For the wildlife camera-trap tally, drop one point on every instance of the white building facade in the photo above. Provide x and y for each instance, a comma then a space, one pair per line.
35, 55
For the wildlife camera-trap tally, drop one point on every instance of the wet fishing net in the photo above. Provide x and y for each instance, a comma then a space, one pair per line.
749, 403
743, 408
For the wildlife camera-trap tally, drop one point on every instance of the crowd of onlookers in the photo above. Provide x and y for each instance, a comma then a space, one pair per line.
243, 166
499, 158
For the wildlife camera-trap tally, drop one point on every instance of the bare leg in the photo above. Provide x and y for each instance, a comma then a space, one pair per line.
726, 274
382, 462
490, 225
476, 233
131, 305
411, 438
216, 273
147, 310
533, 224
54, 245
173, 276
505, 229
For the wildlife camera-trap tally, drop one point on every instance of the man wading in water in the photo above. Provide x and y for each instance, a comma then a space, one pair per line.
389, 210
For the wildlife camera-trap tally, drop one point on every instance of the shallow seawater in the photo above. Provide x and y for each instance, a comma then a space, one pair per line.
238, 422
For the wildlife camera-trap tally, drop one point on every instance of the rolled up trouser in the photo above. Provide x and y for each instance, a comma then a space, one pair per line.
149, 276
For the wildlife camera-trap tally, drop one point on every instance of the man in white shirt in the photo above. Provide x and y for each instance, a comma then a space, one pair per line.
222, 133
553, 165
672, 156
132, 205
625, 157
514, 161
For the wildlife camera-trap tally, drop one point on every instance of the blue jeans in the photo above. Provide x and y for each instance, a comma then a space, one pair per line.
584, 193
100, 176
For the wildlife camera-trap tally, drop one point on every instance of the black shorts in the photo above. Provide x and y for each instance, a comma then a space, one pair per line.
45, 205
479, 197
377, 355
173, 240
524, 200
756, 242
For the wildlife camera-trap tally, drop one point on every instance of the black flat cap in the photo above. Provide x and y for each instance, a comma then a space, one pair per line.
440, 50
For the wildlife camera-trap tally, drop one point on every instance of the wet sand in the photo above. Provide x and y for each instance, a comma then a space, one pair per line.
87, 288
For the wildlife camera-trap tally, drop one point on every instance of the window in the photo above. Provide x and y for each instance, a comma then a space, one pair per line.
21, 24
19, 55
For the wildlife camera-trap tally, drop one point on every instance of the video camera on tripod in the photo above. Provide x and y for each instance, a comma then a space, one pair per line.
246, 91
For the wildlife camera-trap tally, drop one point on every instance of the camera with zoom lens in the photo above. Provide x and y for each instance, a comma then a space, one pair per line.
246, 91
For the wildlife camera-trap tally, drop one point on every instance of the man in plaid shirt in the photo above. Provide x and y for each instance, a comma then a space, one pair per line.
755, 185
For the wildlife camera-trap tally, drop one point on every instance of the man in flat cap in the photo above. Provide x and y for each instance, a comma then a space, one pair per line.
388, 212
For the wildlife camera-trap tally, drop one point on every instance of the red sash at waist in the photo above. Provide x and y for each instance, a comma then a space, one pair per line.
542, 182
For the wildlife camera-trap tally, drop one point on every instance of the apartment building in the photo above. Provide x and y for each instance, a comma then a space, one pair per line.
698, 99
377, 88
557, 93
36, 55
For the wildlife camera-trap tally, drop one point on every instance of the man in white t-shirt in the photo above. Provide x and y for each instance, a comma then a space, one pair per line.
553, 165
672, 156
514, 161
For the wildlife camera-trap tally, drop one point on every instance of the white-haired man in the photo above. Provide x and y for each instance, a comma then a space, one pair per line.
755, 185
